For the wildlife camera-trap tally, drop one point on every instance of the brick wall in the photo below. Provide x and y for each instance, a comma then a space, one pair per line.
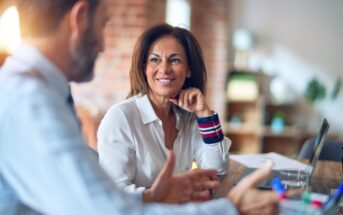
210, 23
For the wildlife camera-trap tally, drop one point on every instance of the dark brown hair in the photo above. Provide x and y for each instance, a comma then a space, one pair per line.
41, 17
139, 83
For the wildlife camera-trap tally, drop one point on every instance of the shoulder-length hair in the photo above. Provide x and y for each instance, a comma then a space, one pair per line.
138, 79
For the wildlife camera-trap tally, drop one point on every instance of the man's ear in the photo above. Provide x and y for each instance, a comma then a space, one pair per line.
79, 19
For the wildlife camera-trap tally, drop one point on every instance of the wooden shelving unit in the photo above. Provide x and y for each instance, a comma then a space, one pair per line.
249, 124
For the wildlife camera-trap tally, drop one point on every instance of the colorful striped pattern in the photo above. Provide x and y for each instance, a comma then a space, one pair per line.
210, 129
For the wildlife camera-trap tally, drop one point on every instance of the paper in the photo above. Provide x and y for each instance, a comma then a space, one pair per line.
258, 160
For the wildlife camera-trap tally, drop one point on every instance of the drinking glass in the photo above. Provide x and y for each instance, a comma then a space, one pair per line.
294, 178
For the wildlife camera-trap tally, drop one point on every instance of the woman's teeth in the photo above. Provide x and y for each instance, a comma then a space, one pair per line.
165, 80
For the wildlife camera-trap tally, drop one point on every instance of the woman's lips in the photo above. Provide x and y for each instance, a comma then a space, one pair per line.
165, 81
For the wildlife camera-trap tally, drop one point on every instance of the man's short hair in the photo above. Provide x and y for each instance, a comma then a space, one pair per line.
42, 17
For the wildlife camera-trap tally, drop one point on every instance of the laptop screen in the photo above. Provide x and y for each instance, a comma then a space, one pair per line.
318, 145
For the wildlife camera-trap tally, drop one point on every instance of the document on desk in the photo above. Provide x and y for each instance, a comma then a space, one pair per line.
257, 160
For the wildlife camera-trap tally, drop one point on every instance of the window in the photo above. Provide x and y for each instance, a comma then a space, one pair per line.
178, 13
9, 30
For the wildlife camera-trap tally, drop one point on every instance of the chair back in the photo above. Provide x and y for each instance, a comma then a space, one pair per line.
331, 151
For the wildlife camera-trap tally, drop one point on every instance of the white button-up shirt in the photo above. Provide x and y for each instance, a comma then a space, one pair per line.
132, 149
45, 165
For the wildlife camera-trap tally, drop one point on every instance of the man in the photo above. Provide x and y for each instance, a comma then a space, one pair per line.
45, 165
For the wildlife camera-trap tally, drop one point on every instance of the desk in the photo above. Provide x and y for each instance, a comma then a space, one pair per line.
326, 176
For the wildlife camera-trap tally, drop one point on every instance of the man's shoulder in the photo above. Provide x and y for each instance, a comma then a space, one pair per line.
24, 85
8, 77
22, 80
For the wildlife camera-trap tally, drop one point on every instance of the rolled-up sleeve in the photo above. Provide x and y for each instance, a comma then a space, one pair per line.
211, 146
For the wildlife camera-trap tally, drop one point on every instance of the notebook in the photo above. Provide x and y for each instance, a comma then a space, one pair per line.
317, 148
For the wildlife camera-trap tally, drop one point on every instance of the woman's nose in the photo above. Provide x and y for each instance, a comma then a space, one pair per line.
164, 67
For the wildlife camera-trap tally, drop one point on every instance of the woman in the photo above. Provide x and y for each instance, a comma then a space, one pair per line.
165, 109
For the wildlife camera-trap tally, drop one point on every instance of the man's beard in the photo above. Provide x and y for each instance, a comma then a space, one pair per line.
84, 57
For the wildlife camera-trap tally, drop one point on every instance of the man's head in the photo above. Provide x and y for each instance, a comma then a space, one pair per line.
39, 18
75, 24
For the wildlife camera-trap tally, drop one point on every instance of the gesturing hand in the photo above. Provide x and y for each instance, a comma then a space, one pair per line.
185, 187
192, 100
250, 200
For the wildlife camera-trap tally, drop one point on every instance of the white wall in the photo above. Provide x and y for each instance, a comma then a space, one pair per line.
298, 40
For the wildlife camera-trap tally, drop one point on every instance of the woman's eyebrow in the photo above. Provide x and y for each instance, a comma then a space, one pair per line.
175, 55
171, 55
156, 55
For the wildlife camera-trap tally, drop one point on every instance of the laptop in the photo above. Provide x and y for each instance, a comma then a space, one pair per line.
317, 148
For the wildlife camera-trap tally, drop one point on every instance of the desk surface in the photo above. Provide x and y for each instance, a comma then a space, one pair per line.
326, 176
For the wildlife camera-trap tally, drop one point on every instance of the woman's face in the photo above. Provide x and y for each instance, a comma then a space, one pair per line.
166, 67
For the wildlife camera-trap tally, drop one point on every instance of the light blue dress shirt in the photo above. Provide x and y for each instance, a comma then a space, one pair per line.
45, 164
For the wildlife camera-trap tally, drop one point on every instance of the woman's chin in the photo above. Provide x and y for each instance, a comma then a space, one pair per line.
174, 95
170, 94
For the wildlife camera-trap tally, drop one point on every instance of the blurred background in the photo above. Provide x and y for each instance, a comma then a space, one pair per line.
274, 67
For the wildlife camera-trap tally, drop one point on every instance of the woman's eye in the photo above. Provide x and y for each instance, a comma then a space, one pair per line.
154, 60
175, 60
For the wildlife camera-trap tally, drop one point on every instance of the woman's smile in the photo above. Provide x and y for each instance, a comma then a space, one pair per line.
165, 81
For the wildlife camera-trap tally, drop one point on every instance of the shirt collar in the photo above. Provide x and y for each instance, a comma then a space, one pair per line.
147, 112
33, 58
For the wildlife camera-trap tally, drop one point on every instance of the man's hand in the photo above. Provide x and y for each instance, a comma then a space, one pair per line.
250, 200
185, 187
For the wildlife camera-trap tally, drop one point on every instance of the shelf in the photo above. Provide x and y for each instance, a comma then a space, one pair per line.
281, 105
248, 123
288, 132
266, 131
287, 111
247, 143
245, 137
242, 103
241, 129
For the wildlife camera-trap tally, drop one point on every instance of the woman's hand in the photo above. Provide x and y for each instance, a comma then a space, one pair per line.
192, 100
